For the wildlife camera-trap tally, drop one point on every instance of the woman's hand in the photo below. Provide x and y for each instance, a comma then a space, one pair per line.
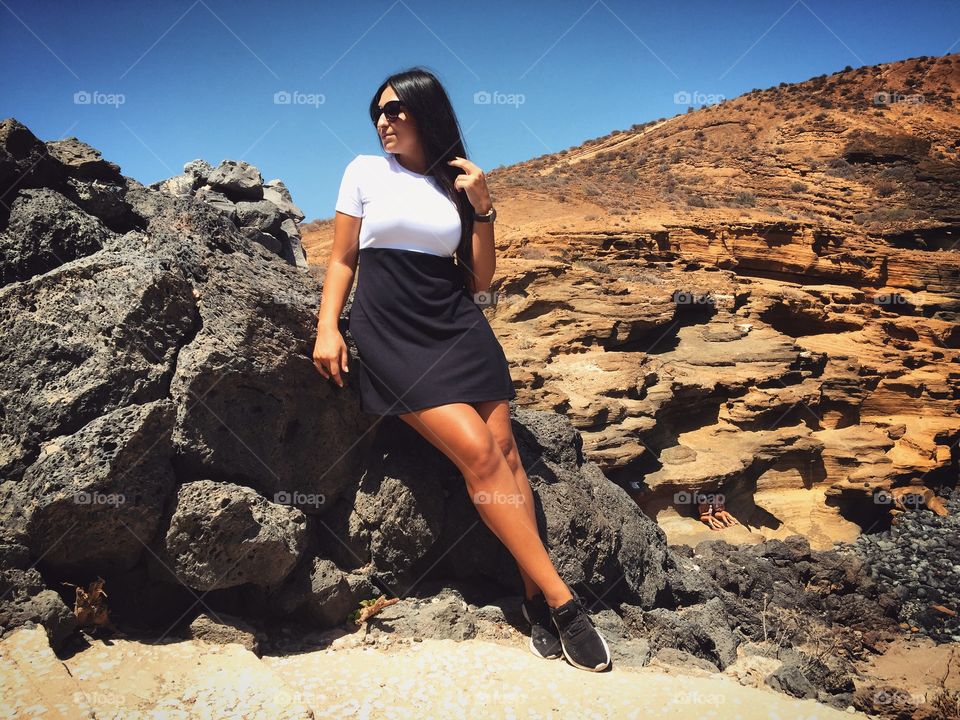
474, 183
330, 354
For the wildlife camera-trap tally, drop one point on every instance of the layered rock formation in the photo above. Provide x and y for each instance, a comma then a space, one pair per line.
760, 298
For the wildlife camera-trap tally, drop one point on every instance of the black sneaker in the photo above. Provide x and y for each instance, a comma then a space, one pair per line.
583, 646
543, 641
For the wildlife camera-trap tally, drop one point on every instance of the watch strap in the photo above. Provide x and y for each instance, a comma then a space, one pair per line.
487, 216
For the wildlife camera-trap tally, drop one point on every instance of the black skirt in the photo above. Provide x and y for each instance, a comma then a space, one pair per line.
421, 339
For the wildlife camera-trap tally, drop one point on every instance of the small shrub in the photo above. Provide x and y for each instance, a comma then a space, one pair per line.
840, 168
885, 188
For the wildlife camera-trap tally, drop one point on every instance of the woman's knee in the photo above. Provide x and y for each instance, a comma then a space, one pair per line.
511, 454
482, 459
458, 431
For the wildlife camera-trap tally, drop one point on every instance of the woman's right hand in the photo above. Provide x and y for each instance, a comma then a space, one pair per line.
330, 354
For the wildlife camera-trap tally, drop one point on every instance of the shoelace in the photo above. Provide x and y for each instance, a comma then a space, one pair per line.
580, 624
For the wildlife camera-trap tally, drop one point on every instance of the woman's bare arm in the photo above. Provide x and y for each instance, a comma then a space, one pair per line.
484, 255
330, 353
483, 259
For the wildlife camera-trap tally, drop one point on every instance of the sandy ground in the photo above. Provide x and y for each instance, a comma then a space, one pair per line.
429, 679
917, 663
480, 679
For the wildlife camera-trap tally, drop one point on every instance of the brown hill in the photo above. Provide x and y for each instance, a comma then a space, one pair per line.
758, 298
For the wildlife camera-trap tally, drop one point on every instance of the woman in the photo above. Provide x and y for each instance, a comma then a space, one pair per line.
420, 222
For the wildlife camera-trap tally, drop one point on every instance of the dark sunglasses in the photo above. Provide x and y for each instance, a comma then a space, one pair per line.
390, 109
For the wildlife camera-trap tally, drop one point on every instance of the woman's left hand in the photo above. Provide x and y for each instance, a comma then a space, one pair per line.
474, 183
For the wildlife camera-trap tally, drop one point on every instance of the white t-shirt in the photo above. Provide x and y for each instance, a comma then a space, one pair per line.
401, 209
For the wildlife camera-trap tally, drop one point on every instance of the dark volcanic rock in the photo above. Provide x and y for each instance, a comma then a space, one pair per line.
25, 162
85, 339
243, 538
93, 500
264, 212
46, 230
322, 594
703, 631
84, 162
238, 179
24, 599
445, 616
915, 564
261, 214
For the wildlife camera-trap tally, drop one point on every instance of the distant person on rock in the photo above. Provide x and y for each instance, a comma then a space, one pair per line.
714, 515
419, 220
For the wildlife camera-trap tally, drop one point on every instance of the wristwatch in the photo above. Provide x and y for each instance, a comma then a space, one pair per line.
486, 217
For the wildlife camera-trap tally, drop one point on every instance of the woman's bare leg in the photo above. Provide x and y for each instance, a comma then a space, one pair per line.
496, 415
458, 431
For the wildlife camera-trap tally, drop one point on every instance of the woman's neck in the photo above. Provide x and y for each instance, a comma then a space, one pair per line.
417, 165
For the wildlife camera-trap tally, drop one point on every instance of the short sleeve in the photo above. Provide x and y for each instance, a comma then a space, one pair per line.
350, 196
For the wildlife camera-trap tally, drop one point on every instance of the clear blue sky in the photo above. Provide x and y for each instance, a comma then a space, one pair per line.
197, 78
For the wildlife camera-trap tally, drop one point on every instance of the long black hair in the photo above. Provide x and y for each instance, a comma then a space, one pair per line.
441, 140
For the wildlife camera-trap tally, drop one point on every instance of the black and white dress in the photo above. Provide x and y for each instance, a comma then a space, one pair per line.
421, 339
